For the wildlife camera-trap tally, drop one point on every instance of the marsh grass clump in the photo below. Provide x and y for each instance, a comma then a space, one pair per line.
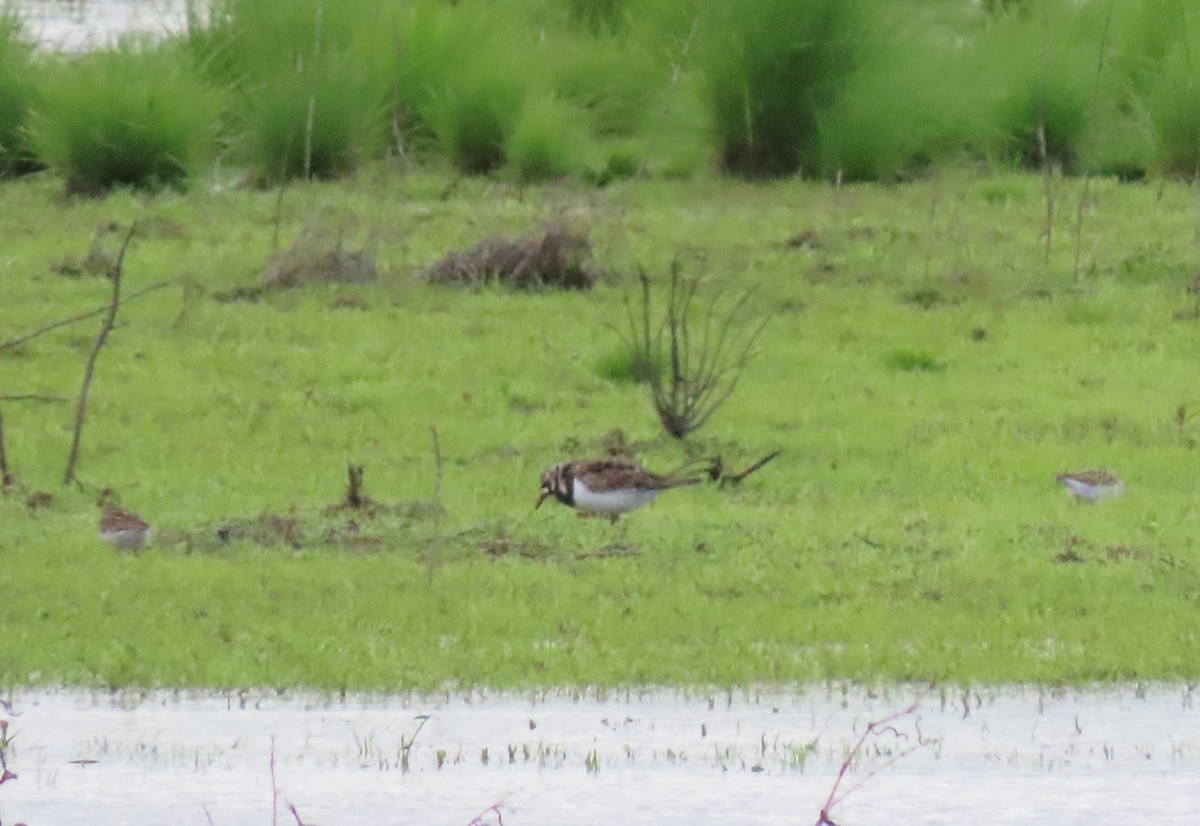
770, 68
310, 100
898, 116
467, 108
128, 116
17, 93
1042, 68
547, 142
558, 258
1174, 108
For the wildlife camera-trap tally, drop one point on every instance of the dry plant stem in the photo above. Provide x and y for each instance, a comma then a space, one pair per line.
406, 743
437, 494
1085, 198
6, 479
354, 486
736, 478
278, 217
5, 773
13, 342
295, 814
876, 727
274, 787
677, 69
1043, 156
496, 808
702, 373
109, 322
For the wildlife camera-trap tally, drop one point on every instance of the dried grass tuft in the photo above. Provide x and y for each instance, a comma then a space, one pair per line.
558, 258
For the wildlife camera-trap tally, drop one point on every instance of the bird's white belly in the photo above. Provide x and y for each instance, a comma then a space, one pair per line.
1090, 492
127, 539
610, 501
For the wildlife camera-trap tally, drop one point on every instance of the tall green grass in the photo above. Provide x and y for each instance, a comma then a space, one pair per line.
133, 116
1040, 66
1173, 102
463, 80
547, 142
898, 115
856, 89
17, 92
311, 96
770, 68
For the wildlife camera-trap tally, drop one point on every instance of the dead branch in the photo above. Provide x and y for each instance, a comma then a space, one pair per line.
700, 347
354, 486
716, 470
6, 479
274, 787
437, 488
13, 342
109, 321
875, 728
33, 397
496, 809
437, 467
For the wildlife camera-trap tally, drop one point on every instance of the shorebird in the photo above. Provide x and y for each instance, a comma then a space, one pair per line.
122, 528
607, 487
1091, 485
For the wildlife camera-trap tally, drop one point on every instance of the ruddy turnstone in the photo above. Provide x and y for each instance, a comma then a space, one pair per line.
1091, 485
122, 528
608, 487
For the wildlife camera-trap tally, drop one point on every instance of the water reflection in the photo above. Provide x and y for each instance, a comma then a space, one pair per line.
1016, 755
77, 25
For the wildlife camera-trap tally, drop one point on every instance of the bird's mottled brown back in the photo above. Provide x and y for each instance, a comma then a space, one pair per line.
618, 474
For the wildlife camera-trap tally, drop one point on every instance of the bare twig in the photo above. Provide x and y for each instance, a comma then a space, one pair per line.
436, 542
406, 743
1085, 198
354, 486
1043, 155
703, 360
5, 773
716, 470
274, 787
109, 322
21, 339
6, 479
495, 809
295, 814
437, 467
33, 397
878, 727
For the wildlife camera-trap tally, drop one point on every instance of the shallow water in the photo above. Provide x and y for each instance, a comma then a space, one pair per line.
1016, 755
77, 25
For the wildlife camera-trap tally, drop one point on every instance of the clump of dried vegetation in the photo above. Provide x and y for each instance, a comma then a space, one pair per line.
319, 255
558, 258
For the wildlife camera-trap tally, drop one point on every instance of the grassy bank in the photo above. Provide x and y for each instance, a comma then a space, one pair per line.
927, 371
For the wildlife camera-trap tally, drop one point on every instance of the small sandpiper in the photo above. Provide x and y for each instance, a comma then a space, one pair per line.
122, 528
1091, 485
606, 487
